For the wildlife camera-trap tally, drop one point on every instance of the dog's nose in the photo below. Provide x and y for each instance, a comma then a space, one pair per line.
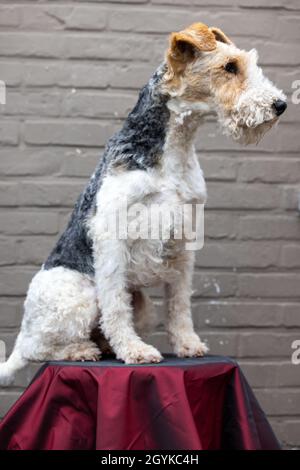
280, 106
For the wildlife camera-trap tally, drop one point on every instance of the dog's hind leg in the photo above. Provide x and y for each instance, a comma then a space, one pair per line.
60, 312
81, 351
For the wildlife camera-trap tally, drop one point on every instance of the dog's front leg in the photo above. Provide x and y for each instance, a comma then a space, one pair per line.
115, 302
185, 342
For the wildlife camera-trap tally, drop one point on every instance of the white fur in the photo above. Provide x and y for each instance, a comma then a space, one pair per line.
130, 264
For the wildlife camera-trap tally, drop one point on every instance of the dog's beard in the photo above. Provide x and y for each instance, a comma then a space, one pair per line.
244, 134
253, 135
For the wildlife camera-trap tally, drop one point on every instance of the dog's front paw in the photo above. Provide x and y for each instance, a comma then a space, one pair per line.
190, 346
141, 353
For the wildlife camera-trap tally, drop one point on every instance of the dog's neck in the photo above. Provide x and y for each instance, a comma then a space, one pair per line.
182, 108
157, 126
185, 119
139, 144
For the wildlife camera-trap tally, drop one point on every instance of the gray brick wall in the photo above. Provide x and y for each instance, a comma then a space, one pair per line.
72, 71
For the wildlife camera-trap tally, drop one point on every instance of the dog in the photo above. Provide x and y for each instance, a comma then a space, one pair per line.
91, 282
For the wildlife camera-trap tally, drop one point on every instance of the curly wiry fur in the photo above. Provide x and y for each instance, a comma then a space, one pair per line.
92, 281
252, 115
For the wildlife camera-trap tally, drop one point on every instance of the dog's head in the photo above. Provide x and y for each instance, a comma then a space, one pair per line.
206, 71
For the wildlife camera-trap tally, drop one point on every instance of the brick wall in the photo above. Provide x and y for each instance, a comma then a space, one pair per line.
72, 71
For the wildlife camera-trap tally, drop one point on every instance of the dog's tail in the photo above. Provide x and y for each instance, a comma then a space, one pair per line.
9, 368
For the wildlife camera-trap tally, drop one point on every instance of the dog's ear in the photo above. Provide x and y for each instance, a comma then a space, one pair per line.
220, 36
185, 45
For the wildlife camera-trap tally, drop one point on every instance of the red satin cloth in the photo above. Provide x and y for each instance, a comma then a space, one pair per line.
189, 404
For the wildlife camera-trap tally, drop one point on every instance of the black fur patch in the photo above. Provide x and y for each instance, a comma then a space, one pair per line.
138, 145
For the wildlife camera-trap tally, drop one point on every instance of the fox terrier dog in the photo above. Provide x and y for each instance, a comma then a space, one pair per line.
91, 282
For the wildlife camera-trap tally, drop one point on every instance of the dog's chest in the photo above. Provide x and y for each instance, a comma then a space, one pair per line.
154, 217
153, 257
157, 256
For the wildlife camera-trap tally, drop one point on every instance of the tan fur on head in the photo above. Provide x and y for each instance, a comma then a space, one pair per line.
207, 73
184, 46
220, 36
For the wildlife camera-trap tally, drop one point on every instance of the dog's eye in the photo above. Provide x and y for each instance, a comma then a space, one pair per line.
231, 67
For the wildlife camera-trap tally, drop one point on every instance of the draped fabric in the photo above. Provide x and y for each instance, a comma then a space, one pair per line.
186, 404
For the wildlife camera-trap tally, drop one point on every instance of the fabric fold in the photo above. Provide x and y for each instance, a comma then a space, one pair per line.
193, 404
